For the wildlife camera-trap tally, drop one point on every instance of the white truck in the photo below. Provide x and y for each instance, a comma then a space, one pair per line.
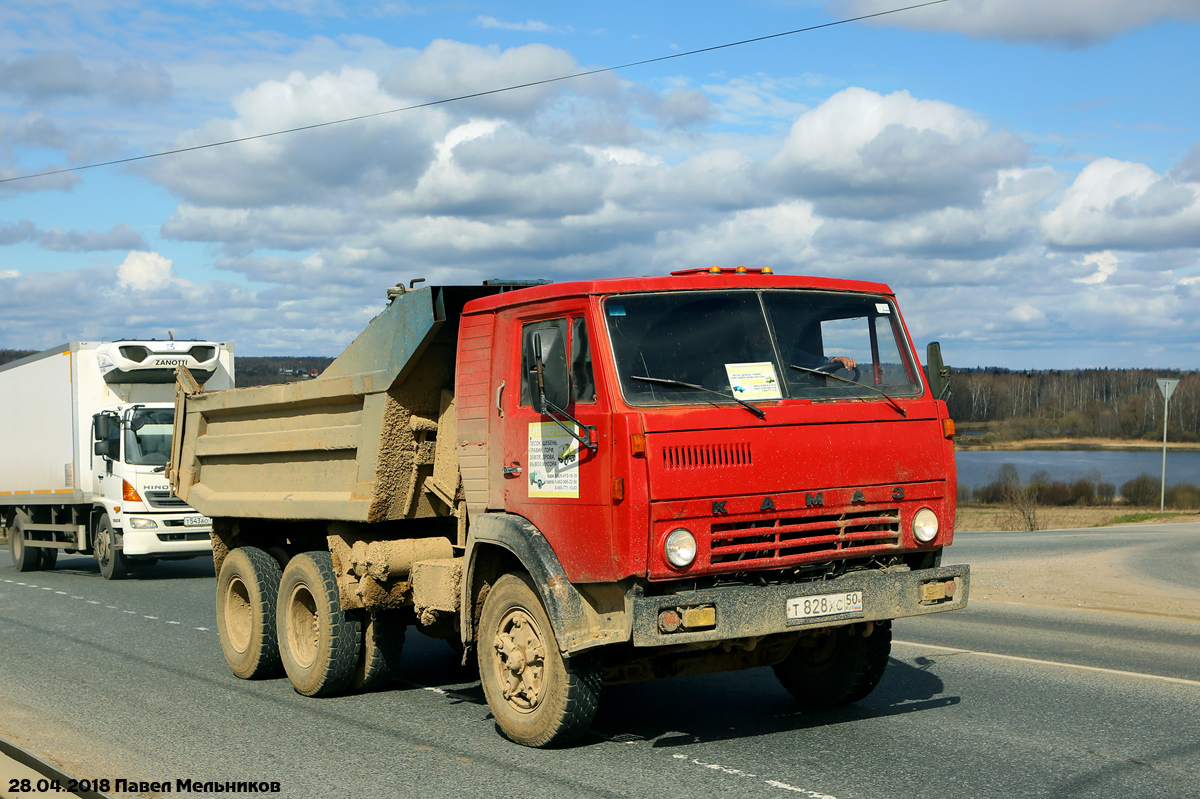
86, 443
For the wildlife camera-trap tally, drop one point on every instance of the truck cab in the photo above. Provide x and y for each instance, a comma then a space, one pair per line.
133, 445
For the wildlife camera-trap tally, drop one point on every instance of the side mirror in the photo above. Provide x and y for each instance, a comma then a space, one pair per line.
550, 386
101, 427
103, 448
939, 373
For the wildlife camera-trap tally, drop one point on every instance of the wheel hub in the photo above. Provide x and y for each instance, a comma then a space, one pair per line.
521, 656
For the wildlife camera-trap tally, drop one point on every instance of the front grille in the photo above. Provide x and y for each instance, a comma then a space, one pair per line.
183, 536
788, 541
164, 499
706, 456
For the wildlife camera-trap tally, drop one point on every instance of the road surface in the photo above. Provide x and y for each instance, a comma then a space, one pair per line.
1013, 697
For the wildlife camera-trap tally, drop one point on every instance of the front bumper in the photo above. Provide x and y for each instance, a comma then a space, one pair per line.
751, 611
170, 537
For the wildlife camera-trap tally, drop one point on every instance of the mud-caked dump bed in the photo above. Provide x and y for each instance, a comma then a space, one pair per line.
358, 443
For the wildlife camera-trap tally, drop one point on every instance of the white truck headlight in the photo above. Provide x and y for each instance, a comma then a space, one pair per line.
680, 548
925, 525
140, 524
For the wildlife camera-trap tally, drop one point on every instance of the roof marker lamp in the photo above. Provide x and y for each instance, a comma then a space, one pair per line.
680, 548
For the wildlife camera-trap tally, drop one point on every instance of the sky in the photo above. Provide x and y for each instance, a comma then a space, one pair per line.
1024, 175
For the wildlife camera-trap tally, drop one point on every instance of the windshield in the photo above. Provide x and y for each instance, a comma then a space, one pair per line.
148, 436
687, 347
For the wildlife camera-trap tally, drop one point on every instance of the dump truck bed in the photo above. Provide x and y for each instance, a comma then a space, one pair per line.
358, 443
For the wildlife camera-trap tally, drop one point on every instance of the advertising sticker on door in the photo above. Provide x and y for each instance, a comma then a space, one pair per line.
553, 461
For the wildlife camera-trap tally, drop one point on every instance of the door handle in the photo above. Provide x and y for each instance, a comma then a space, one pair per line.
499, 391
512, 471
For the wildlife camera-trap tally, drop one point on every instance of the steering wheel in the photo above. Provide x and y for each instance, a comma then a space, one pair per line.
833, 366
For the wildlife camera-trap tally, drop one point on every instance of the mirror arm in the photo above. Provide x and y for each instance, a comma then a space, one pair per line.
554, 412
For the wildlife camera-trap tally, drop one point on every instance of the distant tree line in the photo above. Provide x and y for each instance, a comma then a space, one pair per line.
1145, 490
1081, 403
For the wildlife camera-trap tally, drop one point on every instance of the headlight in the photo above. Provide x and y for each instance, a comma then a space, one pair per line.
680, 548
141, 524
925, 525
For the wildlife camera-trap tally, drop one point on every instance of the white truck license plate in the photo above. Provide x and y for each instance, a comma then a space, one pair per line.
812, 607
196, 521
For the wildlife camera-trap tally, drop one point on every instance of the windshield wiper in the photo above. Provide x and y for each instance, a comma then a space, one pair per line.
667, 381
893, 402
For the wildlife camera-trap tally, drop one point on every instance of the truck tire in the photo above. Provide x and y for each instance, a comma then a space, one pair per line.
839, 667
382, 644
111, 560
319, 642
25, 558
247, 589
537, 697
49, 558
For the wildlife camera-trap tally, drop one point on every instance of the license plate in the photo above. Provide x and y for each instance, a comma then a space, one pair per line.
197, 521
814, 607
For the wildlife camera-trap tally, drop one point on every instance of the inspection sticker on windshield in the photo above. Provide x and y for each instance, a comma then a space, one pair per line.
812, 607
753, 381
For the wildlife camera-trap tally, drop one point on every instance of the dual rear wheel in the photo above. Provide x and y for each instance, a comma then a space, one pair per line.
274, 620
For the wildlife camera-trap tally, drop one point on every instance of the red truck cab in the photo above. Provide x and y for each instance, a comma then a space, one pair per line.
707, 468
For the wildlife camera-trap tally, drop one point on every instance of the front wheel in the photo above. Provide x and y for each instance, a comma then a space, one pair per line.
537, 697
838, 666
112, 561
25, 558
247, 588
319, 642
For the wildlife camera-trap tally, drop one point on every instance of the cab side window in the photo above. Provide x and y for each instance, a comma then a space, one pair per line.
565, 361
546, 340
583, 384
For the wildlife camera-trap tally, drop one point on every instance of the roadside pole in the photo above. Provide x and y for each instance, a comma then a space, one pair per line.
1167, 386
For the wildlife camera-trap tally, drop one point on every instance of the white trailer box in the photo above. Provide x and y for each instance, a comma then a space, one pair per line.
61, 489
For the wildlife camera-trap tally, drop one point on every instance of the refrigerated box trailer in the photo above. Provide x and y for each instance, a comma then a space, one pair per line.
85, 450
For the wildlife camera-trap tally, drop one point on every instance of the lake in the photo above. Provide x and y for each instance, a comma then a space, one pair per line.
979, 467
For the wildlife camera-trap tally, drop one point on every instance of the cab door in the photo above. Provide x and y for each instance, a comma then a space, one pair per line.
550, 476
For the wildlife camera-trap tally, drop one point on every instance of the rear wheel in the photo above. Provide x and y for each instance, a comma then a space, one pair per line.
25, 558
247, 589
111, 560
49, 558
839, 666
319, 642
536, 696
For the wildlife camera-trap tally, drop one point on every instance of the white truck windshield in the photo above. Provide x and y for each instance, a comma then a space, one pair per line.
148, 437
689, 347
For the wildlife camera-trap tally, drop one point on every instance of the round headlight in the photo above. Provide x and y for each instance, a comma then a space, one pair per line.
680, 548
925, 525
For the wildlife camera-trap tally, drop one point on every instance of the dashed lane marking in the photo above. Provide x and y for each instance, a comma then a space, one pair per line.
98, 603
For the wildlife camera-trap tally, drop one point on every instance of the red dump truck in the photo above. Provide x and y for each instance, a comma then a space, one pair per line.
585, 483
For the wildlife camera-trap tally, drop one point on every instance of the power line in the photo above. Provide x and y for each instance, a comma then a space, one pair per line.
473, 95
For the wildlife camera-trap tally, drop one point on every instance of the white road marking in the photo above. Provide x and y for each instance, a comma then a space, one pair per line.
1098, 669
95, 602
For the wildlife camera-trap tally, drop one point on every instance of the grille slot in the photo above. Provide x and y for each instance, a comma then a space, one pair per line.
799, 540
706, 456
163, 499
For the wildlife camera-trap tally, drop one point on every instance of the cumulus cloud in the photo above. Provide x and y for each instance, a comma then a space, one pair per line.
144, 271
1074, 23
867, 156
1122, 205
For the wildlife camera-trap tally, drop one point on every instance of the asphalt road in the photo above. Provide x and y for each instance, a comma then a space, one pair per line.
127, 680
